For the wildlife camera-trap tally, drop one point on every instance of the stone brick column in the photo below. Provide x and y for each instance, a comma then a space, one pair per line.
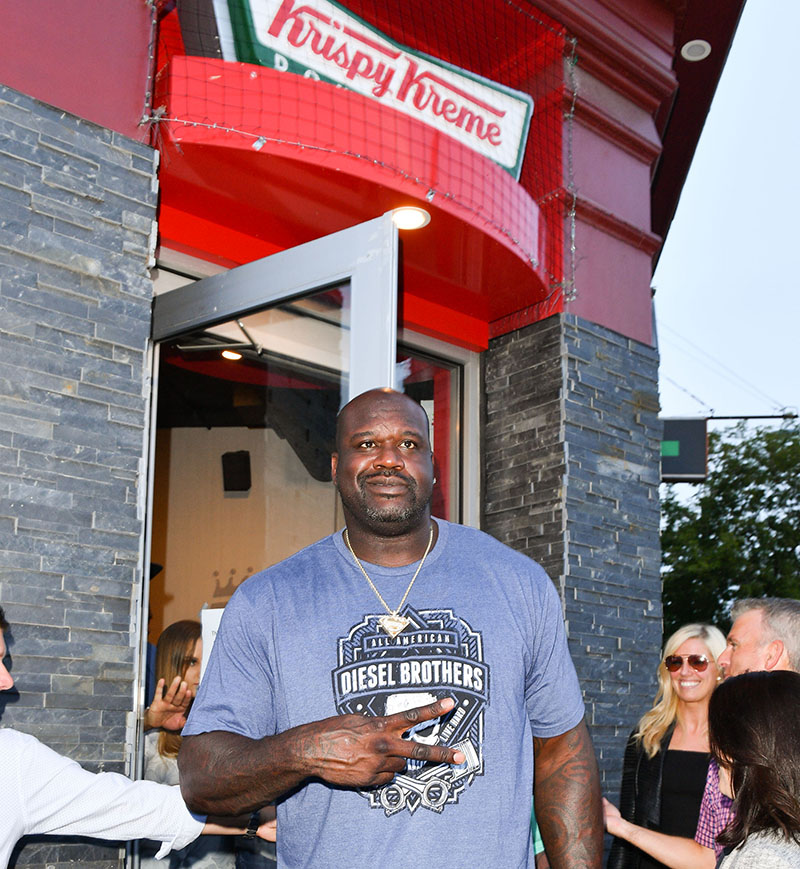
77, 220
571, 451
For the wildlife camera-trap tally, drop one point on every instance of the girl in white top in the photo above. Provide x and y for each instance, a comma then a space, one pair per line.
178, 655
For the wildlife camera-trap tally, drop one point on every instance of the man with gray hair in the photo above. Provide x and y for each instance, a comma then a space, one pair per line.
765, 636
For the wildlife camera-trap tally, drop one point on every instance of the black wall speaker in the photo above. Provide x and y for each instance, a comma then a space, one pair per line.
236, 471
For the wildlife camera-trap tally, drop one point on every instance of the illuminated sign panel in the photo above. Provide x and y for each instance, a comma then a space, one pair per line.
684, 451
322, 40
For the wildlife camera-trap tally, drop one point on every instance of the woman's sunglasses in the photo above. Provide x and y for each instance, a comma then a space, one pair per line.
674, 662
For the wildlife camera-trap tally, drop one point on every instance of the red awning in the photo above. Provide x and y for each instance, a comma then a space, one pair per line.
255, 161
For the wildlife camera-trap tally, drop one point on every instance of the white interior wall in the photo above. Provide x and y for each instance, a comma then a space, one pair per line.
209, 540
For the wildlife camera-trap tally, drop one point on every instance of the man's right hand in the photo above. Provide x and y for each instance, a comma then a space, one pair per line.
366, 751
223, 773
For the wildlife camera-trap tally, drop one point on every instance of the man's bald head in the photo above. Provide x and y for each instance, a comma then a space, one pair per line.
383, 464
375, 401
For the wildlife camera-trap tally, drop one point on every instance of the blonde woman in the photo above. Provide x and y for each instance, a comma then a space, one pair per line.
666, 759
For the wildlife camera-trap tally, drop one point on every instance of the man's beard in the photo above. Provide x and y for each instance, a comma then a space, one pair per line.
407, 514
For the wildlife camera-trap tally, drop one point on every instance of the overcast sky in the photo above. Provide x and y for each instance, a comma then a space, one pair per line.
728, 281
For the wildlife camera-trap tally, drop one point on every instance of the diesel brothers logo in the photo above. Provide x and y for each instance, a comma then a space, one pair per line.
438, 655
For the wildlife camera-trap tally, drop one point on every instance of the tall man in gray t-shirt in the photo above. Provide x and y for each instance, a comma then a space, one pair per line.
399, 625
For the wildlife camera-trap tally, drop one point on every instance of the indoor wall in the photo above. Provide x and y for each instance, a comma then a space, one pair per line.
209, 541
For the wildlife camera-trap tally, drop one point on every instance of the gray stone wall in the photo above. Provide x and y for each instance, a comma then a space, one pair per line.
571, 451
77, 211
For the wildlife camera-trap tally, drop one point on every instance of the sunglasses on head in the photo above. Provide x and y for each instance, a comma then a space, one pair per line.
697, 662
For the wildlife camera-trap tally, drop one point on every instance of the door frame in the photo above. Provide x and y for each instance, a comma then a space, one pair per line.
366, 255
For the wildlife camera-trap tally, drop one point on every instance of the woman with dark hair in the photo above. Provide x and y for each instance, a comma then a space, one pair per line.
666, 759
754, 729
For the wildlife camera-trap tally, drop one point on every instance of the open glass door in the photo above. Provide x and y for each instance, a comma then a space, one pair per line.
361, 261
253, 366
244, 432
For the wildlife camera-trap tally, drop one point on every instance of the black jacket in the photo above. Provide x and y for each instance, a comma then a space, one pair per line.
639, 797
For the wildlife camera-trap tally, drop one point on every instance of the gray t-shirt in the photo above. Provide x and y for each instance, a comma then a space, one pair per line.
299, 642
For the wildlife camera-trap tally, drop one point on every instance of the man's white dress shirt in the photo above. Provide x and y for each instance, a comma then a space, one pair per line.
42, 792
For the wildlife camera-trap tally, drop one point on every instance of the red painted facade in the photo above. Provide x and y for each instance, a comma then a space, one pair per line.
578, 236
92, 60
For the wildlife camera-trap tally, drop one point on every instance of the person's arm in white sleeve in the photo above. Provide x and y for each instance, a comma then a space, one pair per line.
58, 797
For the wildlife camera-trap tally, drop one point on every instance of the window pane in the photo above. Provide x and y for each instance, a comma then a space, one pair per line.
242, 471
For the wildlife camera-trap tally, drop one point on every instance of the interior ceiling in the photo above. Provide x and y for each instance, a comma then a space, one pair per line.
198, 389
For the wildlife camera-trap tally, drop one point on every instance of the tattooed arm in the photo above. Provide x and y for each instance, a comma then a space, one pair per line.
567, 798
224, 773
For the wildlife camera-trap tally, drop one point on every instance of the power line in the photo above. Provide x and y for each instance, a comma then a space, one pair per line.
725, 371
788, 415
690, 394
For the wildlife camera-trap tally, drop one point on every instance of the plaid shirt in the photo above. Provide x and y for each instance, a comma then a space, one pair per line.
716, 811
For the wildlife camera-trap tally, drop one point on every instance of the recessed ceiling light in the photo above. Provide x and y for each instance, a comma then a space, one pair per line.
231, 354
410, 217
696, 49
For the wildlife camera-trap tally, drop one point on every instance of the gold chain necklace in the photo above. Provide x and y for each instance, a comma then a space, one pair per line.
393, 623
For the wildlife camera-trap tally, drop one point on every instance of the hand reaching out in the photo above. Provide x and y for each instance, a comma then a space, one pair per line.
268, 830
612, 818
169, 707
221, 826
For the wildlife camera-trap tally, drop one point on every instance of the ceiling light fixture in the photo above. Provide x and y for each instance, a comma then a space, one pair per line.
410, 217
696, 49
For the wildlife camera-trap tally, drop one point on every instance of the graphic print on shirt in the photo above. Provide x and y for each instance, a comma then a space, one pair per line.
438, 655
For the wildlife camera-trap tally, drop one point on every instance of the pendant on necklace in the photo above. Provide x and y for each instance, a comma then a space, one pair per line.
393, 624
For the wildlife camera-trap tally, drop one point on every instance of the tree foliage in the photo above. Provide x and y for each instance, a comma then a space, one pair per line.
739, 534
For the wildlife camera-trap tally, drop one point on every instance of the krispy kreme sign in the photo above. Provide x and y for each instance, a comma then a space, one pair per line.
320, 39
